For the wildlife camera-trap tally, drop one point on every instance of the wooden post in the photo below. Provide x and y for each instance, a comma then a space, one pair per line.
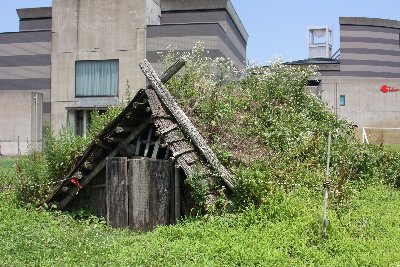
150, 197
170, 72
177, 191
117, 192
327, 187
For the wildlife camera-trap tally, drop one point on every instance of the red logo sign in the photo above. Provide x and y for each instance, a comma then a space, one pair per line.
389, 89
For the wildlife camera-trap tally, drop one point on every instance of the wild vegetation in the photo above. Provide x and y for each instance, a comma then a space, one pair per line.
272, 135
286, 232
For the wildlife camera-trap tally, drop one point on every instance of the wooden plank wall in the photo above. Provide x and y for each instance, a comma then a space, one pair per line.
94, 197
117, 192
152, 193
139, 193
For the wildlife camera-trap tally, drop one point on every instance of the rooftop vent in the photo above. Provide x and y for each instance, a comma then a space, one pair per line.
319, 42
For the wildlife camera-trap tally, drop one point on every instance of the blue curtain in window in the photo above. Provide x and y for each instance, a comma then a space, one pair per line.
97, 78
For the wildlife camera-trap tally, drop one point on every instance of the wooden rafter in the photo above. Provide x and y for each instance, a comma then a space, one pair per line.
184, 122
86, 180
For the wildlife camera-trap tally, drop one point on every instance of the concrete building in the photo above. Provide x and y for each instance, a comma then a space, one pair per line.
79, 55
362, 83
25, 72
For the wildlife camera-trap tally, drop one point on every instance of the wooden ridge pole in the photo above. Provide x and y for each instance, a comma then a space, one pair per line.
187, 126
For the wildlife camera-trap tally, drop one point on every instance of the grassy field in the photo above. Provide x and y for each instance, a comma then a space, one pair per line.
6, 170
287, 232
7, 162
393, 147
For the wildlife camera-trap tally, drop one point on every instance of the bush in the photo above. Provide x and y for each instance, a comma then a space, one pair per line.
271, 133
38, 173
32, 179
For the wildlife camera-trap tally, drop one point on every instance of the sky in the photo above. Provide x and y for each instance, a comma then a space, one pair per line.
276, 27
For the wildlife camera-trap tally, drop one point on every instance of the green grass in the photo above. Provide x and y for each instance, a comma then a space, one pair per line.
7, 162
6, 170
393, 147
287, 232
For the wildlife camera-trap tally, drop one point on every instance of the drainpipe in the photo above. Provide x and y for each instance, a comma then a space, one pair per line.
36, 121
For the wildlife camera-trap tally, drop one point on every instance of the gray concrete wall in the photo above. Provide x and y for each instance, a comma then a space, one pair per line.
369, 59
366, 105
95, 30
18, 121
153, 12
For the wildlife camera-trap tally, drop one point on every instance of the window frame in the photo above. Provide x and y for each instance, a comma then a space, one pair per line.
342, 103
91, 96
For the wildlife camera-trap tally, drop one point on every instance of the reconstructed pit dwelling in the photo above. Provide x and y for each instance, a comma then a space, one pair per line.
134, 172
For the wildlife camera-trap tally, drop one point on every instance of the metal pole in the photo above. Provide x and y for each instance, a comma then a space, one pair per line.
363, 135
36, 121
336, 99
327, 185
85, 122
19, 149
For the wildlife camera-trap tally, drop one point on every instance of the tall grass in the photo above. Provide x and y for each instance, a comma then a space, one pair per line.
286, 232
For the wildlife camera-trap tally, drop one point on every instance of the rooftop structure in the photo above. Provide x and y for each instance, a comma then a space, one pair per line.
319, 42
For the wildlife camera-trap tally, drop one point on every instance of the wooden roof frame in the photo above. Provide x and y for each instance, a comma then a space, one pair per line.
153, 105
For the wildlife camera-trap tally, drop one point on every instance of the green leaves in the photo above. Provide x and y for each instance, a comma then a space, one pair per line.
37, 172
272, 133
284, 231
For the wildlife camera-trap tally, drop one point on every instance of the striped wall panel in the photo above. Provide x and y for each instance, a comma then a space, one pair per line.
161, 43
25, 37
35, 24
222, 17
25, 72
369, 51
25, 49
25, 63
154, 57
25, 84
25, 60
186, 36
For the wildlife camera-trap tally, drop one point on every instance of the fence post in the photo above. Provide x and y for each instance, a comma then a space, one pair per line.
19, 149
327, 186
363, 135
177, 194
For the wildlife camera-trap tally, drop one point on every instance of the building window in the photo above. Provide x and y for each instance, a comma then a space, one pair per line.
342, 100
96, 78
80, 120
